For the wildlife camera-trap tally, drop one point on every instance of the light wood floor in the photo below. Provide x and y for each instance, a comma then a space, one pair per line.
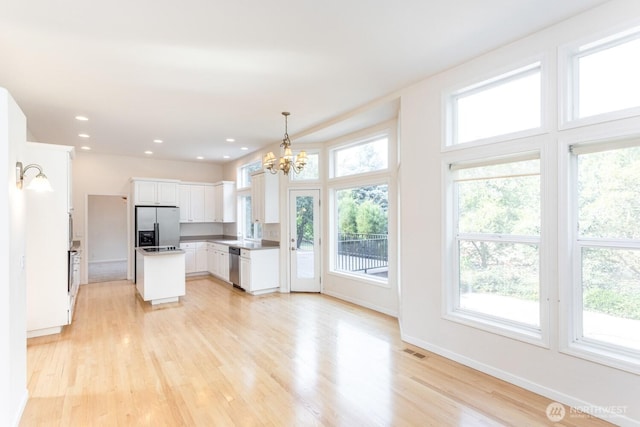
220, 357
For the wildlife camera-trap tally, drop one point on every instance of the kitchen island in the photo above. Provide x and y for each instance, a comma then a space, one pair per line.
160, 274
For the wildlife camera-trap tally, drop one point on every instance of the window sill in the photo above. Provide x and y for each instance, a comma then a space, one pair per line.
507, 329
603, 355
359, 278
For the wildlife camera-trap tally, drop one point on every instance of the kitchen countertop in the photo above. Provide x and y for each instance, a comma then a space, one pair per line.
231, 241
176, 251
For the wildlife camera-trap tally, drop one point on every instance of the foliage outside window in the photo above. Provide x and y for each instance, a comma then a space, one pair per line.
361, 246
244, 173
311, 171
506, 104
614, 60
497, 244
607, 245
369, 156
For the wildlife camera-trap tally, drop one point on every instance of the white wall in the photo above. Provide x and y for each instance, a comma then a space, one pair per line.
13, 324
547, 371
101, 174
107, 217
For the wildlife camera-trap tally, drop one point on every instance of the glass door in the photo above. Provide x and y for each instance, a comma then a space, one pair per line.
304, 242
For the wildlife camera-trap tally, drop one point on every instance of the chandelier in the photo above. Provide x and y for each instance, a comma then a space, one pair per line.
287, 162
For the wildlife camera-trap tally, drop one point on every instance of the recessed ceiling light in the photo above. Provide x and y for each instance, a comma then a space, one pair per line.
148, 152
200, 158
82, 118
244, 148
225, 157
158, 141
84, 147
230, 140
83, 135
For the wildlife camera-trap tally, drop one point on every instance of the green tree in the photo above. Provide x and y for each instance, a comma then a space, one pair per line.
370, 218
304, 219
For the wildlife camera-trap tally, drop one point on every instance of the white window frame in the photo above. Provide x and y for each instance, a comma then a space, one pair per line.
381, 176
568, 56
505, 75
240, 173
241, 216
334, 234
292, 175
361, 141
505, 327
571, 304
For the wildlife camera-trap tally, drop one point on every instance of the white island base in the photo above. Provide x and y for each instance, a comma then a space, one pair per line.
160, 276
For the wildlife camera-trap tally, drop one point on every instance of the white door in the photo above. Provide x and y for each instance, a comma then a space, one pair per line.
304, 241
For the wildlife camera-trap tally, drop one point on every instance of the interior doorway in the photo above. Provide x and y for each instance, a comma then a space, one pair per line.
304, 242
106, 238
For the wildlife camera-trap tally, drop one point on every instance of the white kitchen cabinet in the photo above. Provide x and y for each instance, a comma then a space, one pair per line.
245, 272
259, 270
150, 192
160, 277
49, 300
212, 265
224, 265
209, 203
192, 202
265, 199
195, 257
218, 260
225, 201
201, 257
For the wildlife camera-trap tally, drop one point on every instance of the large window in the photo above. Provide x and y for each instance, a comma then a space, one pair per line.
367, 156
605, 75
361, 187
606, 250
496, 208
361, 245
249, 229
503, 105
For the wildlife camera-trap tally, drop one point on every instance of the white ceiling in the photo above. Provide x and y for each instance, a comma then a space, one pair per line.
196, 72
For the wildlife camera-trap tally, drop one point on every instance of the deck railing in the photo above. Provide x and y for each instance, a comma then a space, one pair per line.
361, 252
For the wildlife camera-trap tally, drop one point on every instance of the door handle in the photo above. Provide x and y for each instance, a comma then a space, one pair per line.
293, 248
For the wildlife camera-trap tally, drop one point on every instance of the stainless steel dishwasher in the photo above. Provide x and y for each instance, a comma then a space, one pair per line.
234, 266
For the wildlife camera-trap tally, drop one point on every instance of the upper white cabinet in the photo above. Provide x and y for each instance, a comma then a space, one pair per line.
49, 299
209, 203
265, 200
192, 203
155, 192
224, 201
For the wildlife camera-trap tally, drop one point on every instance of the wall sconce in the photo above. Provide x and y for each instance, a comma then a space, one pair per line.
39, 183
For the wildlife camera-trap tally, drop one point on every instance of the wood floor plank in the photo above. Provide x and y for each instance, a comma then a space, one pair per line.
220, 357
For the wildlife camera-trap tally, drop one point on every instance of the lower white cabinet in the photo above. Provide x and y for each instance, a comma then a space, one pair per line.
195, 257
259, 270
218, 260
201, 257
224, 265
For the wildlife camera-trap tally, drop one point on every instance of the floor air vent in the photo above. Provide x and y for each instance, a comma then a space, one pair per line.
416, 354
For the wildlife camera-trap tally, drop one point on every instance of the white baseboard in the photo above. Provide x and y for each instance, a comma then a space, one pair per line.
514, 379
100, 261
362, 303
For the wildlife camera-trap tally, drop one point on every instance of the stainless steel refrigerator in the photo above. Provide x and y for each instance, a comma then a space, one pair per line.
157, 226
